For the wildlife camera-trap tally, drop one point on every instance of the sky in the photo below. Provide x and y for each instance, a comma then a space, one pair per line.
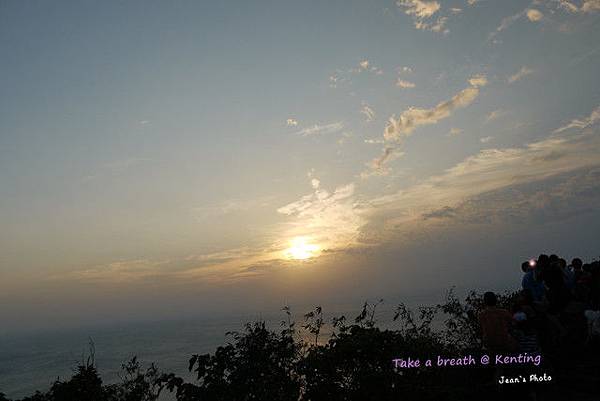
164, 159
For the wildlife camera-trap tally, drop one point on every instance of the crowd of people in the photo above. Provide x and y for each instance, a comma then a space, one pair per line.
559, 304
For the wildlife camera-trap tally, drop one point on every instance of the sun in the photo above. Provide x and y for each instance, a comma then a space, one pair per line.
301, 249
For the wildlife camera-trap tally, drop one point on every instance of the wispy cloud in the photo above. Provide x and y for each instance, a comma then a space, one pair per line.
377, 165
523, 72
455, 131
414, 117
401, 83
531, 14
343, 77
487, 171
291, 122
582, 123
329, 218
590, 6
506, 22
486, 139
422, 13
399, 128
419, 9
493, 115
342, 220
321, 129
587, 6
478, 80
368, 112
366, 66
567, 6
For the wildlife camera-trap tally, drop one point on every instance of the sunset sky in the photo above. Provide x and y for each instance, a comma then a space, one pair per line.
159, 159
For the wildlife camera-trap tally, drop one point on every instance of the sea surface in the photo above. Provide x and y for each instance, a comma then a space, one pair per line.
33, 361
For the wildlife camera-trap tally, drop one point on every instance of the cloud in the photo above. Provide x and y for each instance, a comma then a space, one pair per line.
398, 129
582, 123
445, 212
590, 6
365, 65
587, 6
486, 139
400, 83
507, 21
531, 14
344, 76
377, 165
567, 6
374, 141
487, 171
368, 112
552, 199
492, 185
455, 131
321, 129
207, 268
420, 9
478, 80
523, 72
121, 271
414, 117
534, 15
329, 219
493, 115
291, 122
422, 13
335, 79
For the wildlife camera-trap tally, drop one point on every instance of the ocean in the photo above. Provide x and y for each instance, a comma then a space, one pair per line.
33, 361
30, 362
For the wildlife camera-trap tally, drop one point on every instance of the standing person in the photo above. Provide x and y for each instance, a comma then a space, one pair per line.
532, 282
576, 266
495, 324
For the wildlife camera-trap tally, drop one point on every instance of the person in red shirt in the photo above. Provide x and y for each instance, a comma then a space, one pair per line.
495, 324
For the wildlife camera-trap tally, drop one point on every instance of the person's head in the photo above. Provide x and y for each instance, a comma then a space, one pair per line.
562, 263
554, 258
489, 299
525, 266
542, 261
577, 264
595, 267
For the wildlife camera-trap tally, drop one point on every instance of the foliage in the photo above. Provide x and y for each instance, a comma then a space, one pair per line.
258, 365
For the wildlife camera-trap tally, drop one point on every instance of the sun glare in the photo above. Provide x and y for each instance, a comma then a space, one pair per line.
301, 249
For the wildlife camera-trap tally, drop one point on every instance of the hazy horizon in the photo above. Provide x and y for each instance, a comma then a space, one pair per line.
165, 160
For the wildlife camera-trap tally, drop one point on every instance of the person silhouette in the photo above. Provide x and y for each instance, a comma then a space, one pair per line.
495, 324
